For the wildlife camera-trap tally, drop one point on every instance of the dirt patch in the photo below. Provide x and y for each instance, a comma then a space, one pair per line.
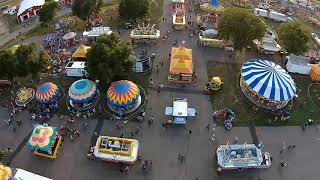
4, 25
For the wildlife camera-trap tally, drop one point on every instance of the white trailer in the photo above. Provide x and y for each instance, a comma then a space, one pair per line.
261, 12
76, 69
279, 17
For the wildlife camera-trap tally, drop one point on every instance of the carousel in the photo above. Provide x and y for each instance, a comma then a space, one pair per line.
123, 97
213, 10
266, 84
45, 141
83, 95
24, 96
48, 94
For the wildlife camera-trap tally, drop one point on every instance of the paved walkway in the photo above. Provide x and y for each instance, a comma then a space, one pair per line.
6, 37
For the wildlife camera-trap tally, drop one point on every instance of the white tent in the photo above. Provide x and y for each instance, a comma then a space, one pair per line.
97, 31
298, 64
26, 175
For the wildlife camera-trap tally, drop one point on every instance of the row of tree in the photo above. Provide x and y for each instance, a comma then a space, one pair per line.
242, 27
23, 62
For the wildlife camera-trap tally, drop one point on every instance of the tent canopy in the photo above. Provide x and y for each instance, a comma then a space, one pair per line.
42, 137
181, 61
123, 93
50, 37
81, 51
315, 72
268, 80
82, 91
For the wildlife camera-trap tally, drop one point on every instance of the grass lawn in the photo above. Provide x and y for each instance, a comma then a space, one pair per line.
231, 96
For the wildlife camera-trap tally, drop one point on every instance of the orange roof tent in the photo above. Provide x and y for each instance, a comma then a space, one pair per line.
181, 61
315, 72
81, 52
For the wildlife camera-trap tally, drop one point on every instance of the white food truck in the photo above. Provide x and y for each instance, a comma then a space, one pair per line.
76, 69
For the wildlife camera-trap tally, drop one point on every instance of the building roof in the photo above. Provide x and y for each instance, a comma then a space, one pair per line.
26, 4
299, 60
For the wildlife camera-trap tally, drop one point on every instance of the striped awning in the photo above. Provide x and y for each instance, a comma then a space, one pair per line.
268, 80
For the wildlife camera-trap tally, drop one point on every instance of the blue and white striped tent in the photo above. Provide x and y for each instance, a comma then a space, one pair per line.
268, 80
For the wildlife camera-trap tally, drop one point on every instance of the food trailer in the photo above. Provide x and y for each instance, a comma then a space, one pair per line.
180, 111
115, 150
241, 156
45, 141
181, 65
145, 35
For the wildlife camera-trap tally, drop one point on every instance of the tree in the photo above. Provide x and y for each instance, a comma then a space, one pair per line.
22, 63
47, 12
240, 26
85, 8
294, 37
109, 57
133, 9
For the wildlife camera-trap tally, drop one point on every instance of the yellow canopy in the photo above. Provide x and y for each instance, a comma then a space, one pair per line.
81, 52
216, 79
315, 72
181, 61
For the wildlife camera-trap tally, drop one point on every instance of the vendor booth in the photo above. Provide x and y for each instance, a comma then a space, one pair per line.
241, 156
179, 21
115, 150
45, 141
97, 31
24, 96
181, 65
298, 64
11, 173
267, 45
80, 53
180, 111
123, 97
83, 95
266, 84
209, 37
315, 72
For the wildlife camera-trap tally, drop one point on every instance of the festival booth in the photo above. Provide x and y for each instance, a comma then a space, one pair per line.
96, 32
24, 96
47, 96
267, 45
266, 84
45, 141
115, 150
298, 64
69, 39
145, 35
80, 53
49, 39
83, 95
123, 97
11, 173
181, 65
241, 156
213, 10
315, 72
180, 111
209, 37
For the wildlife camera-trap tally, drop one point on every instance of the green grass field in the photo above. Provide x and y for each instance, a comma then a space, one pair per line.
231, 96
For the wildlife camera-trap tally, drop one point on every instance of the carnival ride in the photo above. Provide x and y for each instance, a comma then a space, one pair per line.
241, 156
24, 96
213, 10
181, 65
123, 97
178, 15
214, 84
179, 111
209, 37
45, 141
145, 34
83, 95
266, 84
12, 173
115, 150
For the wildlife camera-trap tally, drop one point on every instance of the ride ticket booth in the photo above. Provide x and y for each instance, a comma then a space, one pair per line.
180, 111
181, 65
